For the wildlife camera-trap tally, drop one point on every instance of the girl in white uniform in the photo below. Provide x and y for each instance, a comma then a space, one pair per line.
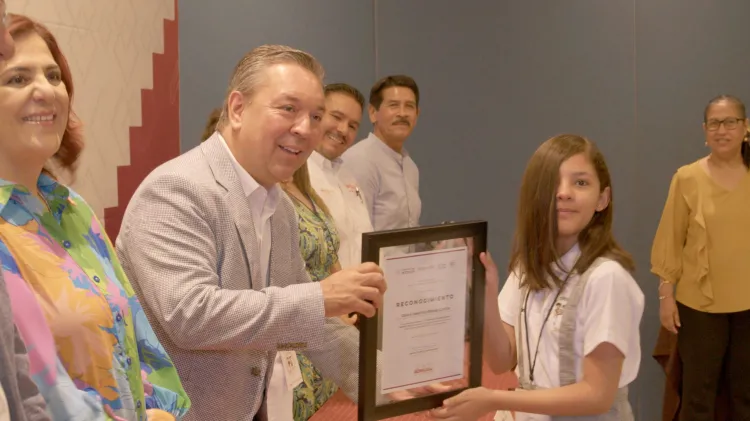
568, 316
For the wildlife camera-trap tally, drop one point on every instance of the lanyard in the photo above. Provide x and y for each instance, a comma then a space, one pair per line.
532, 364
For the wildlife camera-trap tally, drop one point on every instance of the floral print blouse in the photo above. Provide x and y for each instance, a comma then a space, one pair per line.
319, 245
103, 340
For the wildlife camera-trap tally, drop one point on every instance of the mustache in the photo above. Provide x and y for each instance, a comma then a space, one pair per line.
402, 120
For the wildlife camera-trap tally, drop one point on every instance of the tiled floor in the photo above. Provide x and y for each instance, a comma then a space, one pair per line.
340, 408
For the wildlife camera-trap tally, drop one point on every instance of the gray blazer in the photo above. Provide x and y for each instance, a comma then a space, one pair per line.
188, 245
24, 401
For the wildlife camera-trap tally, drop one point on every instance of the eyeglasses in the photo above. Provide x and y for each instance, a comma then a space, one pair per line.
730, 123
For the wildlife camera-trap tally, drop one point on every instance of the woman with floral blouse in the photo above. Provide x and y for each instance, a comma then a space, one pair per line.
319, 245
53, 248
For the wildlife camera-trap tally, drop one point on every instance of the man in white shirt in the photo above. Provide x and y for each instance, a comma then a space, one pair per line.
336, 186
388, 177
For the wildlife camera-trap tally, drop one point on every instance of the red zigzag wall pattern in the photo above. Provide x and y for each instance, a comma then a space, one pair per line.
158, 139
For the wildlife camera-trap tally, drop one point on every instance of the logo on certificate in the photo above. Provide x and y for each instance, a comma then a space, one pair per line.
422, 370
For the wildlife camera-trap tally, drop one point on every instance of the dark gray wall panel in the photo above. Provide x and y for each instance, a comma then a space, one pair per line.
687, 51
214, 37
499, 78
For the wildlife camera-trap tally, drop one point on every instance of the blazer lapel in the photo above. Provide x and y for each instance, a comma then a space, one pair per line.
220, 162
278, 259
286, 256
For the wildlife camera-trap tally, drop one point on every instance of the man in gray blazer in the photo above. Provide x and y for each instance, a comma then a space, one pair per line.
210, 245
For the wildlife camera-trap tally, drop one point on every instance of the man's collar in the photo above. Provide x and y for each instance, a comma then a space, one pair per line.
388, 150
325, 163
248, 183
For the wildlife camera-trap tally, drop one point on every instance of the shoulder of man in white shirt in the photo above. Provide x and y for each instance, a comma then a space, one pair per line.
348, 179
359, 149
360, 159
327, 183
322, 177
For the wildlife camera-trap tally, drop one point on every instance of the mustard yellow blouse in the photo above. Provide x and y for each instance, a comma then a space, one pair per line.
703, 242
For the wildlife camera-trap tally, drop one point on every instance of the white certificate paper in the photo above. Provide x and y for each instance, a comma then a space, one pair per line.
424, 321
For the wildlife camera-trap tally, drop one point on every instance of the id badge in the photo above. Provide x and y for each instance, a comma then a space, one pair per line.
292, 372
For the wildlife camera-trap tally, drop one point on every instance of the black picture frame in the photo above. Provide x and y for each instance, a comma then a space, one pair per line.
368, 410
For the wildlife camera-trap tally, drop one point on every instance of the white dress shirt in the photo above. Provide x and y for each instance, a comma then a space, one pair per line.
344, 198
263, 204
389, 181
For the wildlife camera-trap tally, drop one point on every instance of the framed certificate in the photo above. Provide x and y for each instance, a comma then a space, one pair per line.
429, 329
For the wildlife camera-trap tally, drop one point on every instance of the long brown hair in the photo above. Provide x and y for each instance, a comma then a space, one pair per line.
301, 180
534, 244
213, 120
71, 144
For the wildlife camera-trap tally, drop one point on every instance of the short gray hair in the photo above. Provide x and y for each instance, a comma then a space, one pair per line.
247, 73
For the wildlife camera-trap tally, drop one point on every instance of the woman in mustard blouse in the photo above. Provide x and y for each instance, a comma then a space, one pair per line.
701, 254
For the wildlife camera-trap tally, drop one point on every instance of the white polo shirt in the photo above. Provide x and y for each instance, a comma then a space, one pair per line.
344, 198
610, 311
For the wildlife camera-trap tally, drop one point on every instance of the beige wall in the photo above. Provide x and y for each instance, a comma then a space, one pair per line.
110, 46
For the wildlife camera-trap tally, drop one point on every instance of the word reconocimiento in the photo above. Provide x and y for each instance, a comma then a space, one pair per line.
425, 300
